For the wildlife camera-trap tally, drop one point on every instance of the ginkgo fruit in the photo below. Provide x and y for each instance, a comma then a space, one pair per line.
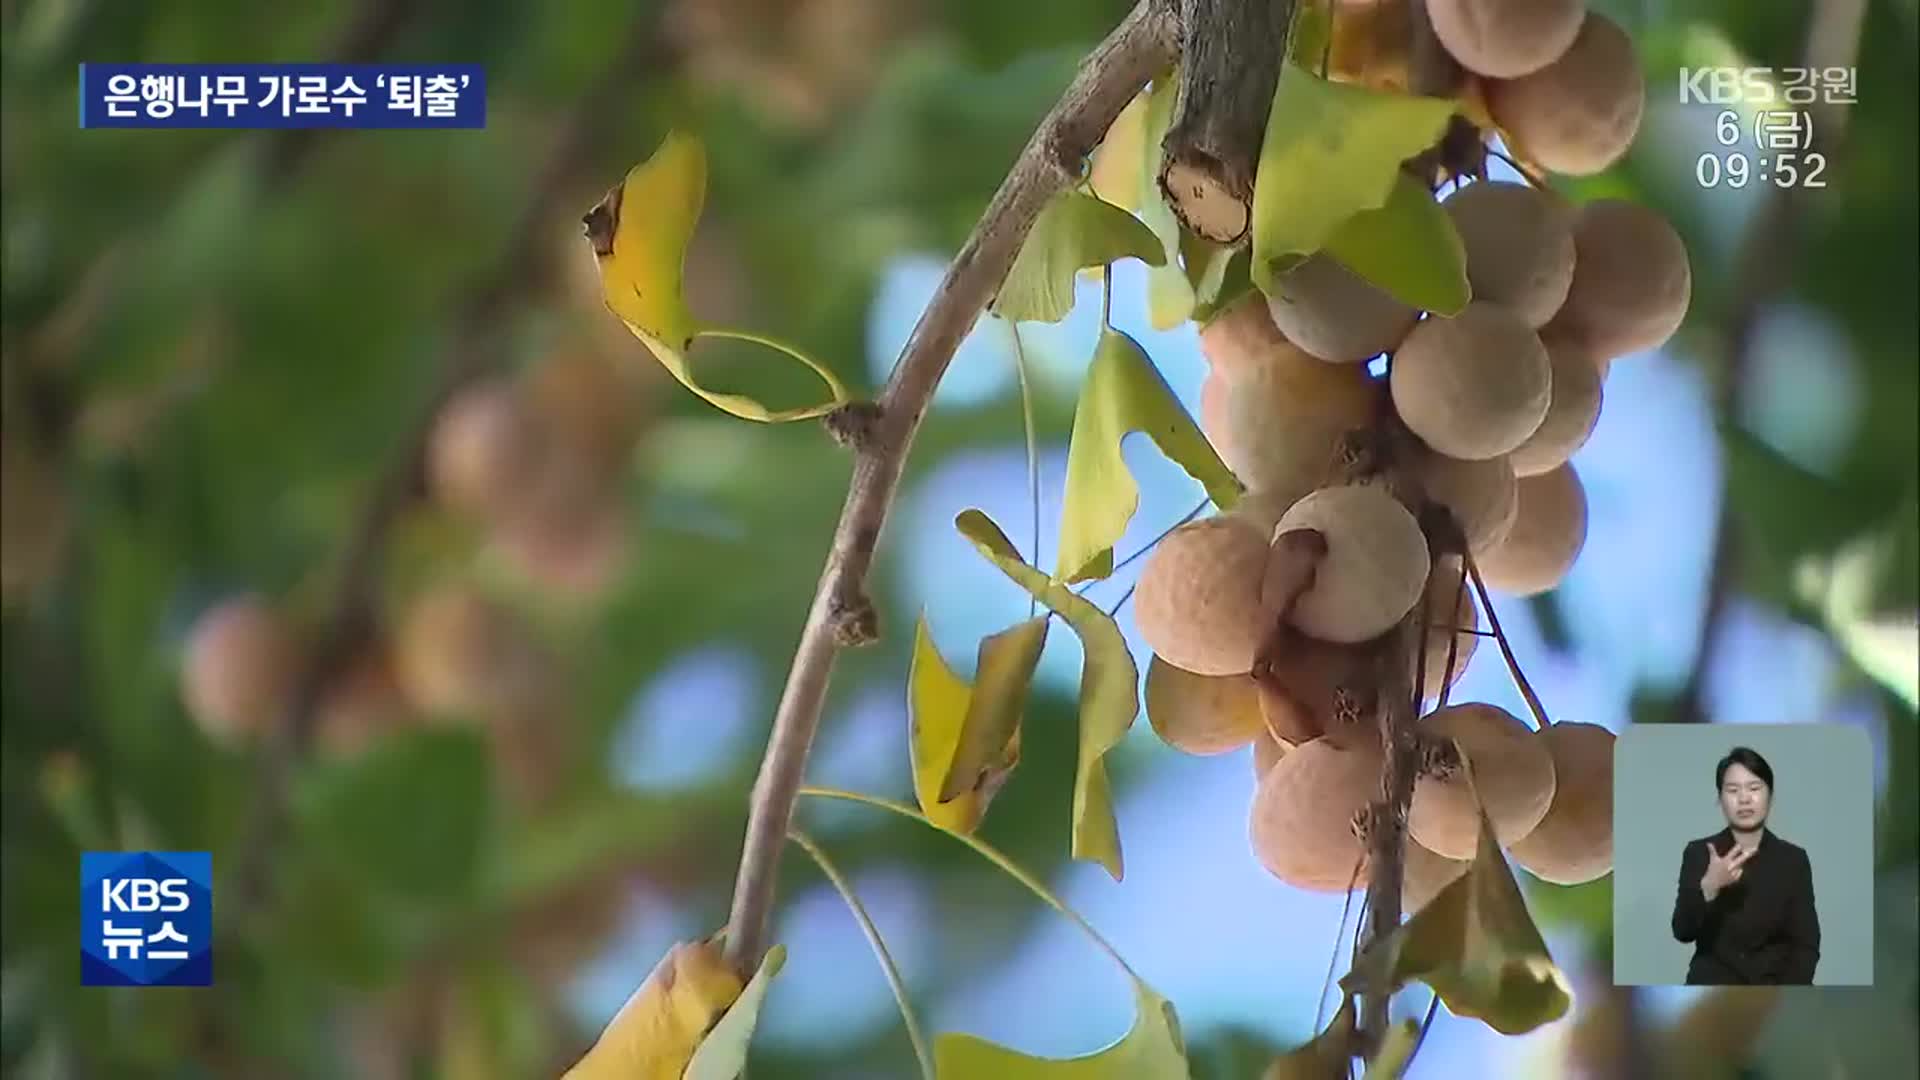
1423, 874
1374, 569
1302, 823
1276, 414
1502, 39
1578, 114
1203, 714
1310, 688
361, 704
1483, 496
1197, 602
461, 653
240, 664
1267, 752
1574, 842
1449, 603
1335, 314
1519, 246
483, 448
589, 402
1631, 280
577, 550
1547, 536
1474, 386
1512, 777
1572, 412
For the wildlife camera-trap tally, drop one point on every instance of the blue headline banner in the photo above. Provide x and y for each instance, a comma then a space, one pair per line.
283, 96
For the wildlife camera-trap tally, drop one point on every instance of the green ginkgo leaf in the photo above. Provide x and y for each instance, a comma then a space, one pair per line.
1234, 284
1074, 231
639, 234
1324, 1057
1477, 946
1331, 151
1152, 1049
1123, 393
723, 1053
1409, 248
1109, 689
1205, 264
965, 740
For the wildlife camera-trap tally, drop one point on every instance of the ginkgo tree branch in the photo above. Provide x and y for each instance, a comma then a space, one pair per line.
1231, 55
881, 433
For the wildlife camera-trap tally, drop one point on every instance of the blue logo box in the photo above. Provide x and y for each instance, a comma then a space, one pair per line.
146, 918
253, 96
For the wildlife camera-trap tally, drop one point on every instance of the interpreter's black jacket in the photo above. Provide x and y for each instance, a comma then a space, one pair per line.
1761, 929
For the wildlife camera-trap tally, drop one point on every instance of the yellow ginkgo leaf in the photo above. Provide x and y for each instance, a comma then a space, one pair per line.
639, 234
1114, 174
1153, 1049
1123, 393
1477, 946
1170, 292
965, 740
1109, 689
1331, 151
722, 1055
655, 1034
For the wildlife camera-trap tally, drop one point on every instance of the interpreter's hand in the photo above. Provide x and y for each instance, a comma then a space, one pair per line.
1723, 869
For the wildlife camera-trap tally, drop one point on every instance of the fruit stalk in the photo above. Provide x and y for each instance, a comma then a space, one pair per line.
1432, 73
1220, 113
1140, 47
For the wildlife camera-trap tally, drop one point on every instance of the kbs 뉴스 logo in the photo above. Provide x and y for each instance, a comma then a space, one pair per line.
146, 918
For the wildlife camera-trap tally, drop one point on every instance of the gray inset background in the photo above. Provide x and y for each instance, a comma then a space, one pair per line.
1664, 796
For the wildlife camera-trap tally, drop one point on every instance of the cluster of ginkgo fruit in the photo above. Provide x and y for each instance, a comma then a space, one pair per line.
535, 459
1298, 649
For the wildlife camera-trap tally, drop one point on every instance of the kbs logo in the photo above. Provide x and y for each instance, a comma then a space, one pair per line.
146, 918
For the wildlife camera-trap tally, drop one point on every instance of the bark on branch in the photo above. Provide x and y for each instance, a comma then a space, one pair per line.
1232, 51
1142, 46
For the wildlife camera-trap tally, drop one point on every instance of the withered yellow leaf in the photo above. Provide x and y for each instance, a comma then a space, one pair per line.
639, 234
965, 740
1109, 689
1477, 946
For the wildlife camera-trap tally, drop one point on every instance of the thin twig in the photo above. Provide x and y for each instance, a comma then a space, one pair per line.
1766, 265
1053, 159
1506, 650
472, 346
1028, 426
1339, 934
887, 967
1426, 1024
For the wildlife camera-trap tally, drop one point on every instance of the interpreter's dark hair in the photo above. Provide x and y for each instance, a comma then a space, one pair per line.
1748, 759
